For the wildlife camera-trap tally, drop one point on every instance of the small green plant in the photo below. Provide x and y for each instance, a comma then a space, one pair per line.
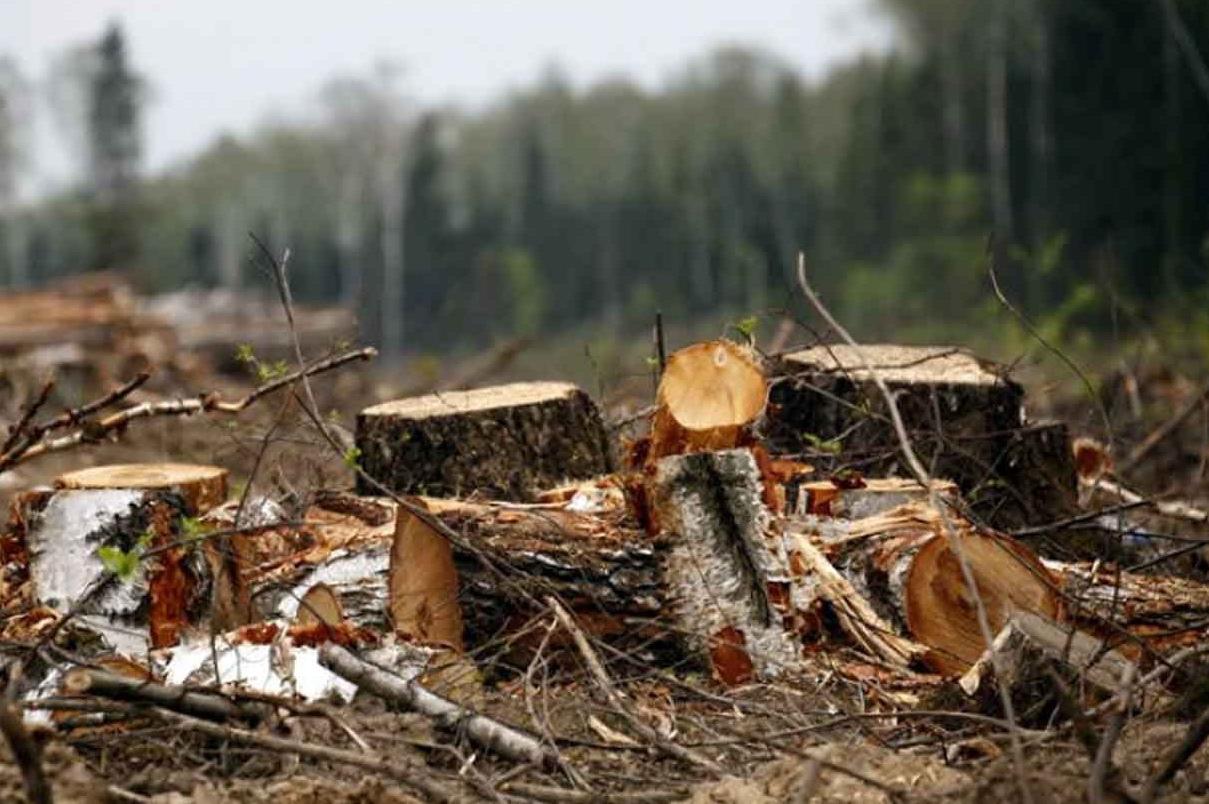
352, 457
125, 563
746, 327
265, 372
831, 446
193, 531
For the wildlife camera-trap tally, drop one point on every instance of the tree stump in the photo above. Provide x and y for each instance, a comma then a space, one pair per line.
721, 563
963, 410
708, 395
201, 487
504, 442
126, 519
82, 536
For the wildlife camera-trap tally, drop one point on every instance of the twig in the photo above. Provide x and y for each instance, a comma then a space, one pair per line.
207, 403
409, 773
561, 795
1090, 516
1104, 775
1198, 732
922, 477
483, 731
606, 685
27, 754
1163, 431
660, 349
207, 705
31, 410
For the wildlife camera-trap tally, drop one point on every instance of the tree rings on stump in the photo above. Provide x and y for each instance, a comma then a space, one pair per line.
708, 394
202, 487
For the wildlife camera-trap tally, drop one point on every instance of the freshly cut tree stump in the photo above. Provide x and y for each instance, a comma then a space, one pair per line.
721, 563
503, 442
708, 394
82, 537
902, 563
201, 487
962, 409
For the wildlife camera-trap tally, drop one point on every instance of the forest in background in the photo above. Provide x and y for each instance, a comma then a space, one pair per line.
1074, 131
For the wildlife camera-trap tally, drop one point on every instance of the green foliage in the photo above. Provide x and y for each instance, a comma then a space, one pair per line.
830, 446
124, 564
746, 327
561, 206
352, 457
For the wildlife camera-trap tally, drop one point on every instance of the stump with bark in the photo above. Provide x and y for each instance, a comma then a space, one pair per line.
110, 543
723, 566
964, 411
504, 442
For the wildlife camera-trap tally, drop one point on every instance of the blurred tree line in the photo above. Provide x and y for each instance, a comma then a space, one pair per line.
1076, 131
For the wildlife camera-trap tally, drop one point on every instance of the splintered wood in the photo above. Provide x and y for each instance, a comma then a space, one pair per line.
904, 561
504, 442
424, 584
721, 562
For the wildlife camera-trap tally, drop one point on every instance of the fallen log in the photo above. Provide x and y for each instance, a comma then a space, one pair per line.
902, 563
1136, 614
1021, 658
208, 705
505, 442
708, 395
486, 732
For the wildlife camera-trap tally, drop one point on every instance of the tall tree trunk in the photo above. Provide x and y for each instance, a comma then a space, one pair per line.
393, 204
952, 108
997, 126
1040, 140
348, 239
1171, 152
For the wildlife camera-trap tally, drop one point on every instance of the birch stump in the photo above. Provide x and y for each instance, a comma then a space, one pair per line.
110, 542
503, 442
721, 563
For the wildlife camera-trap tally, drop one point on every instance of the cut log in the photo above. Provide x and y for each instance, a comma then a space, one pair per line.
709, 393
201, 487
504, 442
424, 585
153, 600
961, 409
902, 563
866, 498
1162, 613
721, 562
1025, 652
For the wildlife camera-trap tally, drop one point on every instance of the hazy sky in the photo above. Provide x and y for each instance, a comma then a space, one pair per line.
217, 65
